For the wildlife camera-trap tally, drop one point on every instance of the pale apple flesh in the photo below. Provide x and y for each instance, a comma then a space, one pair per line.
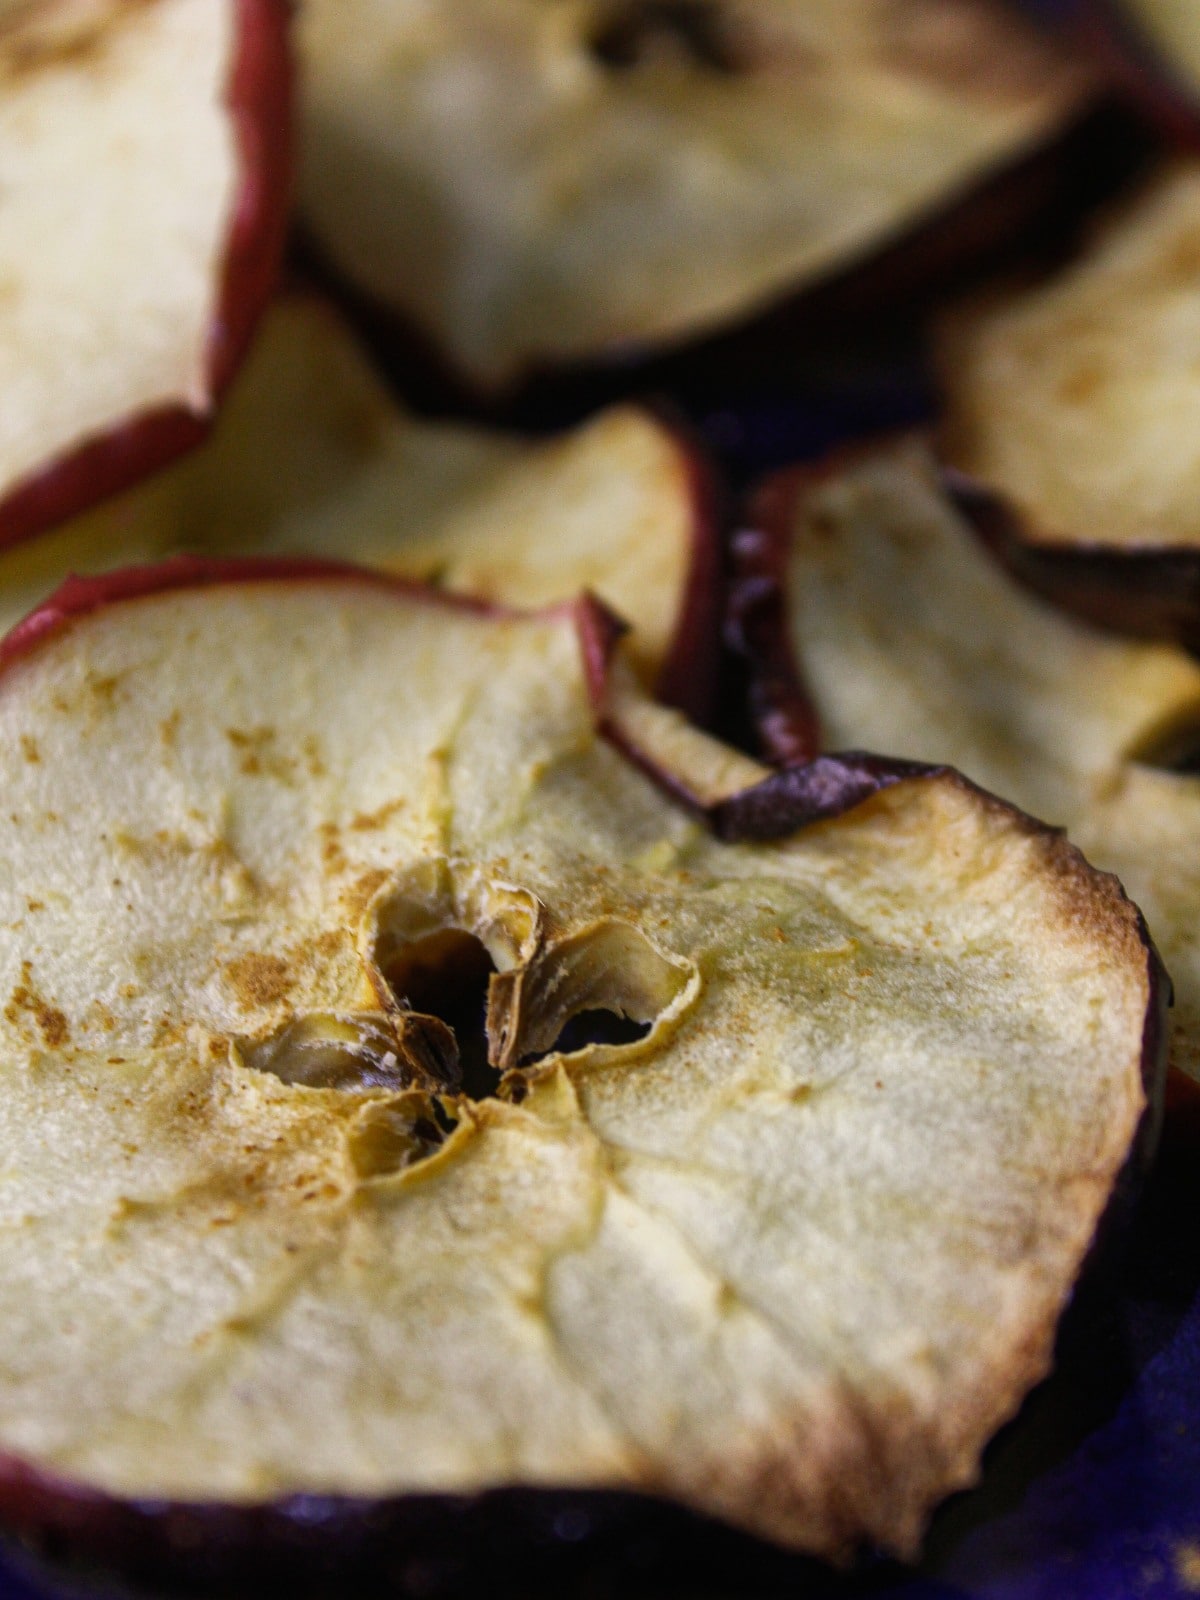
145, 177
787, 1258
533, 186
905, 634
1076, 401
311, 456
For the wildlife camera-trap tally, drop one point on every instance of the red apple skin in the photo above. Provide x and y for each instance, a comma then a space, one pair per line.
1137, 70
688, 678
259, 101
310, 1541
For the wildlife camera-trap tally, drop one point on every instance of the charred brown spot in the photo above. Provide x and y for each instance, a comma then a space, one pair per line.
26, 1002
365, 821
627, 32
259, 980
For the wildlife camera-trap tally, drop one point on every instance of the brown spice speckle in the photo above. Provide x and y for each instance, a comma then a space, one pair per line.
259, 980
52, 1023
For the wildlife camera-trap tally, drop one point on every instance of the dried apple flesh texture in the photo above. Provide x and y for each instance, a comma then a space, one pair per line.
1080, 399
118, 168
311, 455
494, 173
789, 1258
910, 638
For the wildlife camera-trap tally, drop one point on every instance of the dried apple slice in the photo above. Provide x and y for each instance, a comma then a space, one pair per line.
312, 456
532, 185
867, 585
310, 877
1078, 402
144, 154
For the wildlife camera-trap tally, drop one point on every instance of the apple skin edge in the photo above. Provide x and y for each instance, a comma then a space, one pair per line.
1148, 591
306, 1541
1136, 70
259, 99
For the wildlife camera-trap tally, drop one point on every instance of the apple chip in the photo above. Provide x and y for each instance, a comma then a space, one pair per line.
1079, 402
907, 636
405, 1097
143, 191
533, 184
312, 456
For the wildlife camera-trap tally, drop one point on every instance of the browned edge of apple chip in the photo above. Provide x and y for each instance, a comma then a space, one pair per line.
1146, 591
259, 100
1035, 201
307, 1540
1137, 70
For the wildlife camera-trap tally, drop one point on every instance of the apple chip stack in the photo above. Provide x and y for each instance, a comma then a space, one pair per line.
448, 1092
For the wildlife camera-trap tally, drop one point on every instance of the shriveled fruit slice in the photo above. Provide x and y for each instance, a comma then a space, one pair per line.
1079, 402
870, 582
312, 456
144, 153
314, 888
534, 184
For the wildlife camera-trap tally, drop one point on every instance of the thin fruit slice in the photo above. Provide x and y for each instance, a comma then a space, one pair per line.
533, 184
901, 633
316, 887
144, 154
1078, 401
311, 456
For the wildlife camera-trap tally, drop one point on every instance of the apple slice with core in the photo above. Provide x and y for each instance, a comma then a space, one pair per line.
312, 879
535, 185
876, 617
144, 155
311, 456
1078, 402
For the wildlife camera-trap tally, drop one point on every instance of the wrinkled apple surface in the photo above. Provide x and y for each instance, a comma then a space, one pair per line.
908, 637
786, 1248
1079, 400
534, 183
143, 173
312, 456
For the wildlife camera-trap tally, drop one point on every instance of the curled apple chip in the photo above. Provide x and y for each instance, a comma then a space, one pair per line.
144, 153
404, 1097
1079, 402
877, 617
534, 184
312, 456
